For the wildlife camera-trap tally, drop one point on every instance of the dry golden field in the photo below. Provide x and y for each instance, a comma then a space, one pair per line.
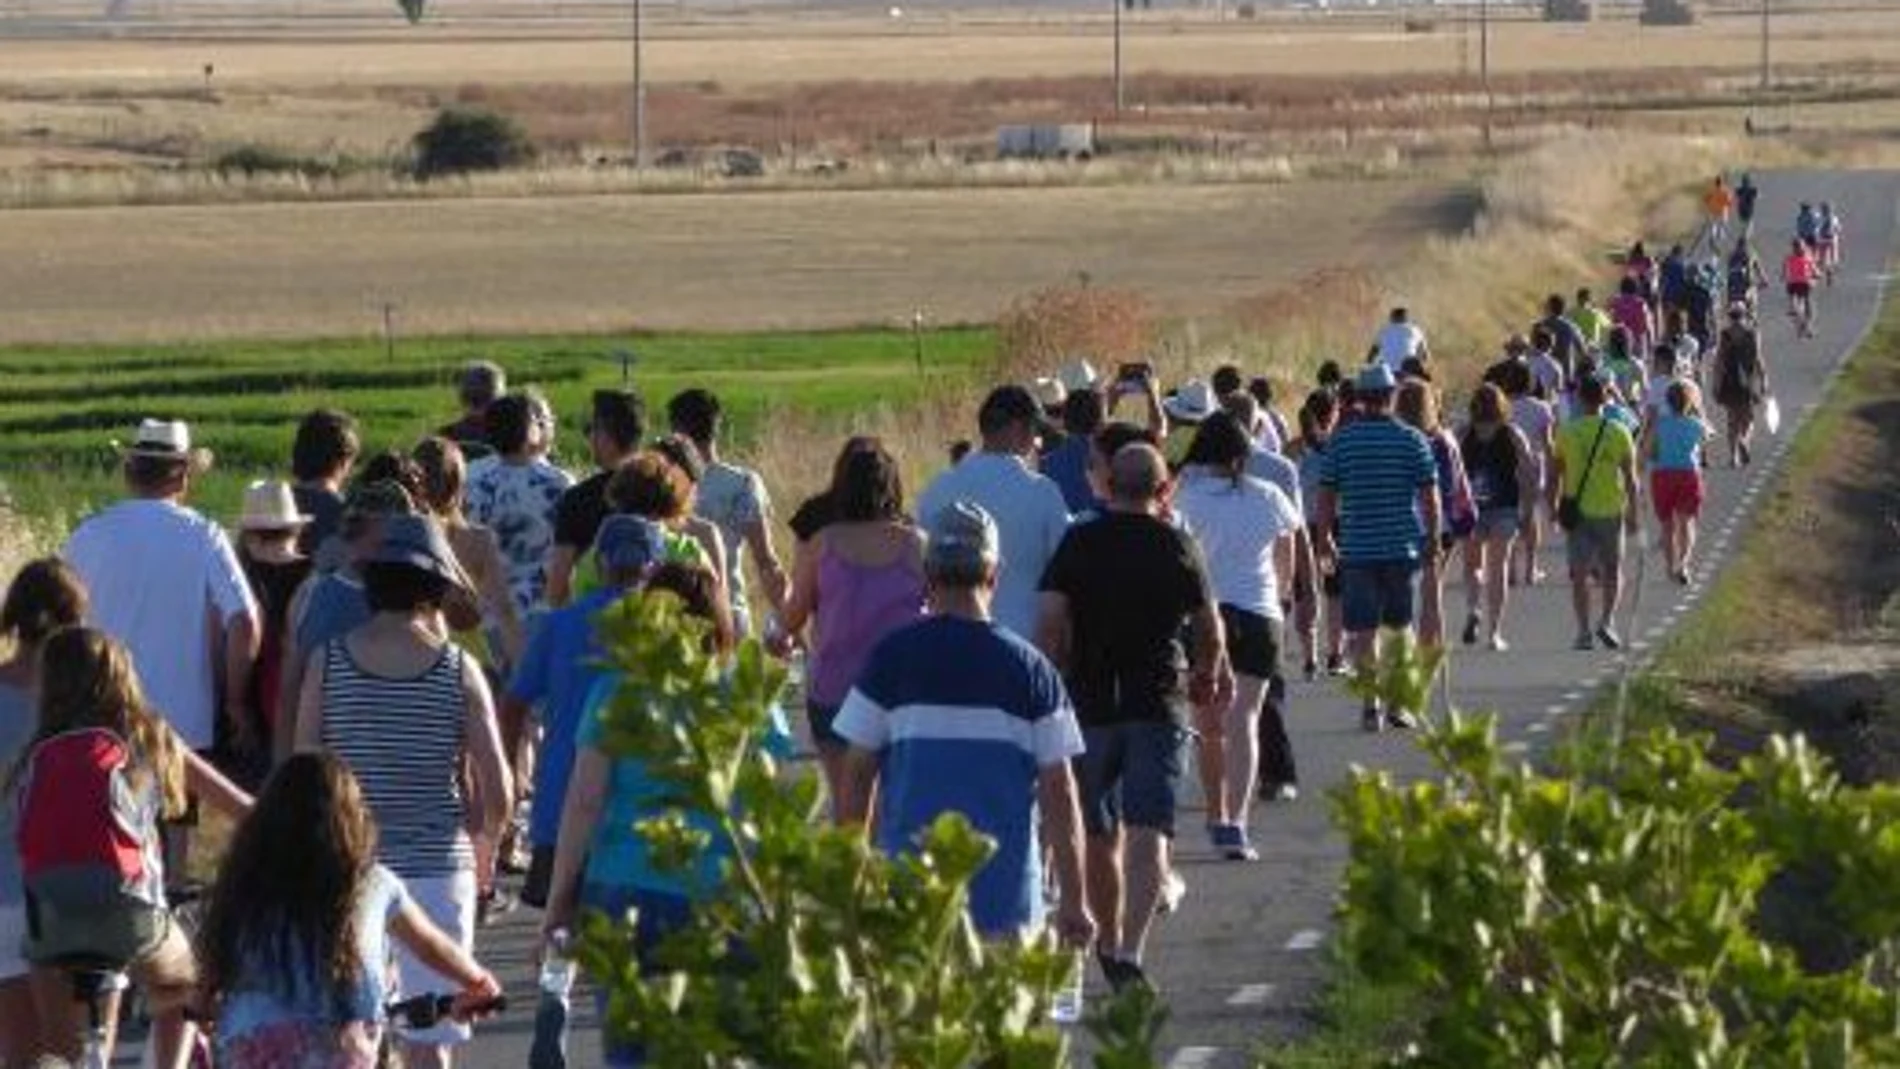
752, 261
457, 46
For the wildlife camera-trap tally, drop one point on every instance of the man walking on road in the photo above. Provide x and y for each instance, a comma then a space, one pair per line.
165, 581
1400, 340
1596, 468
1123, 590
1026, 506
956, 714
1379, 492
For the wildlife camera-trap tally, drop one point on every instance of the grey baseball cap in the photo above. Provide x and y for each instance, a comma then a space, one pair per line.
962, 540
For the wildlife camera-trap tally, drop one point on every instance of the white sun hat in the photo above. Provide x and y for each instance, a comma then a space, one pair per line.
1076, 375
1193, 402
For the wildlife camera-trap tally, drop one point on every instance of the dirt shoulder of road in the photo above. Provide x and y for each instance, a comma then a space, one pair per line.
1802, 632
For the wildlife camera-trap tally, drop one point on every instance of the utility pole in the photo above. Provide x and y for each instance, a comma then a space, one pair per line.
1765, 23
1119, 100
639, 92
1484, 65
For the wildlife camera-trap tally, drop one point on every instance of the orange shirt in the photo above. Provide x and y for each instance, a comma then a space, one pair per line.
1719, 200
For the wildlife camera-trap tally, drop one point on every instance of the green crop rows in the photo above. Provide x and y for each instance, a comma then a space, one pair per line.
62, 408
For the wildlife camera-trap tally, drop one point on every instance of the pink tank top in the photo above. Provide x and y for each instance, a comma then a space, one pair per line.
857, 607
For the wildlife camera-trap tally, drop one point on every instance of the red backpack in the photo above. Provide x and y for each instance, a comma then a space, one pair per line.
90, 858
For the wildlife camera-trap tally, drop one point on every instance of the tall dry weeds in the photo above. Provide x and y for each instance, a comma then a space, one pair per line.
1551, 221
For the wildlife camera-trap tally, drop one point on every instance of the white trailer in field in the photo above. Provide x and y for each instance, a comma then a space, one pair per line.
1048, 141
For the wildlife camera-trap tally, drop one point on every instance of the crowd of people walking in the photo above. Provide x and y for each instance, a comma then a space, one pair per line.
391, 677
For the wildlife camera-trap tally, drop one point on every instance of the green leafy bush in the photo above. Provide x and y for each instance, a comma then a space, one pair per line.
816, 950
461, 140
1613, 916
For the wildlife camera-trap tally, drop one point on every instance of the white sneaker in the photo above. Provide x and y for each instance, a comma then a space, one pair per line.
1173, 890
1496, 643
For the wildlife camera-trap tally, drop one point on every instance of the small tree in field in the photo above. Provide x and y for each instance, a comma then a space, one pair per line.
461, 140
815, 950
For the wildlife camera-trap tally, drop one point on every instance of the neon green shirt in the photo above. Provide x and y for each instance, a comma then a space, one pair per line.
1603, 497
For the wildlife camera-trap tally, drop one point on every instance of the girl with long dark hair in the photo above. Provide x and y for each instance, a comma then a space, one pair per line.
297, 934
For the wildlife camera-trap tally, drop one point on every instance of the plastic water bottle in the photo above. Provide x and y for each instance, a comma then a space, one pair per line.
1066, 1007
549, 1049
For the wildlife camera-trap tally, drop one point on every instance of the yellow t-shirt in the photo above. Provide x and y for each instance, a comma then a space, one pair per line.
1602, 498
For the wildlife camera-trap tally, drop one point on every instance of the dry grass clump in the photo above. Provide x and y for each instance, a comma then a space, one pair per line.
1041, 330
23, 539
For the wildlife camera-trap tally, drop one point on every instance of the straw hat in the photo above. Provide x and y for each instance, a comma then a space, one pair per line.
167, 439
270, 506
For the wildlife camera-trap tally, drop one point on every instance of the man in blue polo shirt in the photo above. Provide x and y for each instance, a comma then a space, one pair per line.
558, 671
958, 714
1378, 489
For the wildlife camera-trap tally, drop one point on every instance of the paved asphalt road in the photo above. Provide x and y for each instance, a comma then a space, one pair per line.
1242, 958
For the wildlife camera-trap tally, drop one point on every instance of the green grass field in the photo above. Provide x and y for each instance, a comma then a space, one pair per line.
62, 408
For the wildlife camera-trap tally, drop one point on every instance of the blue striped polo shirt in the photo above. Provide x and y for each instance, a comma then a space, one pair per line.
964, 716
1375, 466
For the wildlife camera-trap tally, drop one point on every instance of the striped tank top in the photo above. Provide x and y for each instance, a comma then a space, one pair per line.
404, 739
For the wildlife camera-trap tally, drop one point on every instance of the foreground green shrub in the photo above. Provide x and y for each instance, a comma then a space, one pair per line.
1615, 918
849, 958
461, 140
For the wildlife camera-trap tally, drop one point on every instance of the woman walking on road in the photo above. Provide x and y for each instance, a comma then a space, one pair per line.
408, 711
1673, 447
857, 580
1534, 417
1741, 380
1417, 405
1503, 473
1246, 530
1318, 417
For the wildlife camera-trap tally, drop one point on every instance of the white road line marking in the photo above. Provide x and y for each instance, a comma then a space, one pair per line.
1573, 695
1515, 747
1193, 1058
1538, 728
1306, 939
1251, 995
1555, 709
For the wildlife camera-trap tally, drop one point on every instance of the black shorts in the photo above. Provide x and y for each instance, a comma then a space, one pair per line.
1800, 289
1253, 642
820, 718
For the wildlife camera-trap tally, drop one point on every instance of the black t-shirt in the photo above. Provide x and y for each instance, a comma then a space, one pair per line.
1132, 583
325, 509
816, 514
580, 512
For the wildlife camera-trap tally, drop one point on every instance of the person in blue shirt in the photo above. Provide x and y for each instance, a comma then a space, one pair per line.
1378, 498
602, 863
556, 674
958, 714
1083, 413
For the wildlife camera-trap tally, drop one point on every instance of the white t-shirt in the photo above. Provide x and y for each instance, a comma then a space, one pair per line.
732, 499
1276, 470
1547, 371
161, 578
1399, 342
1031, 519
1237, 526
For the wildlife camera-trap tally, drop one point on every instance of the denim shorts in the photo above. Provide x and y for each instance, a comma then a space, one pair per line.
1378, 595
1128, 774
660, 915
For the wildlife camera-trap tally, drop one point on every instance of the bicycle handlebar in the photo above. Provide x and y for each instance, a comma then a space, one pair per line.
427, 1011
